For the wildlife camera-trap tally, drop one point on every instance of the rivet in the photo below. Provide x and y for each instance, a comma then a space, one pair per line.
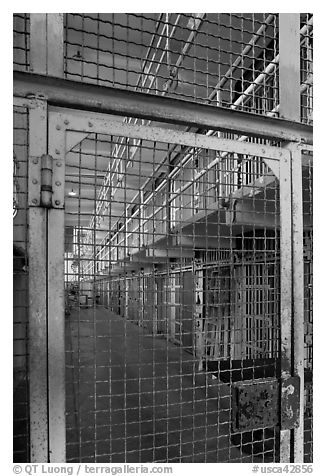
34, 201
58, 183
57, 202
263, 151
66, 122
58, 127
57, 151
59, 164
35, 161
34, 181
90, 124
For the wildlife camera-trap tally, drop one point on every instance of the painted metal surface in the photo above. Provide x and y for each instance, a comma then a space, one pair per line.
46, 38
55, 39
57, 149
102, 125
46, 180
290, 403
38, 134
37, 290
38, 40
286, 287
290, 109
298, 291
289, 67
56, 297
56, 336
255, 404
88, 97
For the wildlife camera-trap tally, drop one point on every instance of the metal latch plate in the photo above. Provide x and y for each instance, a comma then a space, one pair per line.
255, 404
290, 406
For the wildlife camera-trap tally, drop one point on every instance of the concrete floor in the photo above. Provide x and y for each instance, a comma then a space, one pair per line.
132, 397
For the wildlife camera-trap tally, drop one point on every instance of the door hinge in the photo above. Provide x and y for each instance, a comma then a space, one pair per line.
46, 180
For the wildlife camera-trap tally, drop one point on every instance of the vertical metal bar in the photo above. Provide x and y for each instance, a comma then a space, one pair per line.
46, 39
37, 292
56, 336
289, 66
55, 33
286, 289
298, 293
289, 91
56, 303
38, 43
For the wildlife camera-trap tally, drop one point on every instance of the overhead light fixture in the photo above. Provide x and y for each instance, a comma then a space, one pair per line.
72, 193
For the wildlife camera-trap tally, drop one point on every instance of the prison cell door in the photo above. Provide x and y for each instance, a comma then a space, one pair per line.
125, 387
218, 330
257, 307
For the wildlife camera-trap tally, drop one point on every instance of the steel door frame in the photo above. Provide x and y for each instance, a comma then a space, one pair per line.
51, 447
67, 129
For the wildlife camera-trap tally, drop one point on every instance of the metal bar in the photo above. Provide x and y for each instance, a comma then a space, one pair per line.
286, 289
290, 101
298, 293
56, 302
38, 385
38, 42
56, 337
289, 66
55, 35
191, 139
47, 43
88, 97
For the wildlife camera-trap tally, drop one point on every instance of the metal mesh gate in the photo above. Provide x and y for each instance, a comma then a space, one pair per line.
172, 300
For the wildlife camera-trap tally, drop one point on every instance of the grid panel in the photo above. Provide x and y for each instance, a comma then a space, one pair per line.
307, 175
21, 41
20, 287
224, 59
306, 57
162, 268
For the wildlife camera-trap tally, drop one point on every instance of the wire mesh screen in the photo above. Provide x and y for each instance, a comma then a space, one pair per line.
20, 287
21, 41
224, 59
306, 62
308, 320
172, 284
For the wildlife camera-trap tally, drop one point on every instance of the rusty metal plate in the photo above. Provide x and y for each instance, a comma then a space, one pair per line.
255, 404
290, 406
